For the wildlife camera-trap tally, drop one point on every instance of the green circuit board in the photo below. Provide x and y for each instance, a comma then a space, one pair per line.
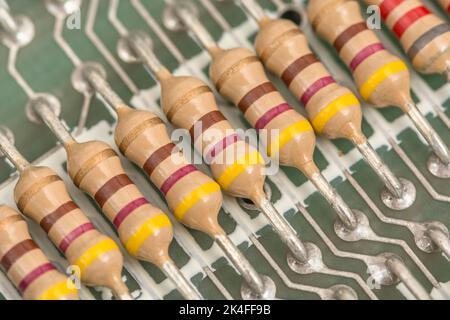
45, 67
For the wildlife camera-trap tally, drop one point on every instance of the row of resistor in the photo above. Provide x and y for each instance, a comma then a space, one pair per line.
237, 167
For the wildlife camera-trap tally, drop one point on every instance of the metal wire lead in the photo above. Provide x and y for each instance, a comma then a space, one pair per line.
191, 21
397, 267
254, 9
184, 287
9, 150
7, 21
438, 146
284, 230
251, 277
53, 122
102, 87
389, 179
345, 214
441, 240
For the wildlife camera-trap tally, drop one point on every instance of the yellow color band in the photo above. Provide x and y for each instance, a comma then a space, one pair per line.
191, 199
382, 74
234, 170
324, 115
58, 291
288, 134
148, 228
94, 252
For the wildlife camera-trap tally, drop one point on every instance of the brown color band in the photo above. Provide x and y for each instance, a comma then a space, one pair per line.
133, 134
348, 34
269, 51
91, 164
49, 220
206, 122
110, 188
157, 157
185, 99
34, 189
234, 69
298, 66
255, 94
16, 252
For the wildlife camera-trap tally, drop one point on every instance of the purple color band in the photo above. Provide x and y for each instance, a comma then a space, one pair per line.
270, 115
364, 54
33, 275
174, 177
316, 87
127, 210
72, 236
221, 146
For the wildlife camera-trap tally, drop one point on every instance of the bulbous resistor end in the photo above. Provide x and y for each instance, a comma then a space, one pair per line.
52, 207
237, 166
145, 230
333, 110
315, 7
240, 77
142, 138
26, 265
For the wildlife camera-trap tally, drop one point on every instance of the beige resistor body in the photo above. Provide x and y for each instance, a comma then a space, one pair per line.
236, 166
424, 36
42, 196
25, 263
240, 77
194, 198
145, 230
382, 78
333, 110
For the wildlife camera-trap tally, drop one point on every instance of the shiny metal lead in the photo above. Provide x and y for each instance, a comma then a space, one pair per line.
8, 150
399, 193
439, 161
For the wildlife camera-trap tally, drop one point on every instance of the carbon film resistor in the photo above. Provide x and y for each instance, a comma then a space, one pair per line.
240, 77
194, 198
26, 265
145, 231
42, 196
382, 78
333, 110
424, 36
